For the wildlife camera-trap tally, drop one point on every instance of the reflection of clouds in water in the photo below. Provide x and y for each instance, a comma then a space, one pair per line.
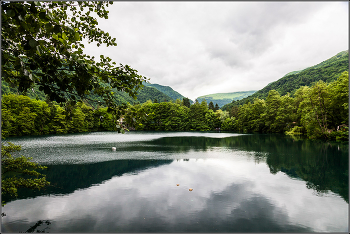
253, 214
222, 200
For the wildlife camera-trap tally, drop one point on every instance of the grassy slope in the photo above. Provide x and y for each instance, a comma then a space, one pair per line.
234, 95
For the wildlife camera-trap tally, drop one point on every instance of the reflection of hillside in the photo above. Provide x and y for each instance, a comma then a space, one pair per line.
184, 144
323, 165
66, 179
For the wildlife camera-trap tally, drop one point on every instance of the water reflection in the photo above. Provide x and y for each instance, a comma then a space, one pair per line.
324, 166
66, 179
247, 183
235, 196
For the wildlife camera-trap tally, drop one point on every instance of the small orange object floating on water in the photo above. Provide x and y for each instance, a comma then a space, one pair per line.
190, 189
177, 184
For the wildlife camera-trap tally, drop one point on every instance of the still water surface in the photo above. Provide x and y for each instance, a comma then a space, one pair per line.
241, 183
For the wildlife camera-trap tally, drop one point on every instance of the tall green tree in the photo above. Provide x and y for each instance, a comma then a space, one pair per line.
273, 103
186, 102
339, 92
211, 106
42, 45
216, 107
314, 110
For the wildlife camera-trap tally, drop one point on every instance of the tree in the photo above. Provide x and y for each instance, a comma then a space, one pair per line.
186, 102
234, 111
42, 46
339, 91
18, 172
216, 107
211, 105
273, 103
229, 124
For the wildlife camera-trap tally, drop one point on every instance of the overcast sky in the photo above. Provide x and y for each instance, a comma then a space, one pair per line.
201, 48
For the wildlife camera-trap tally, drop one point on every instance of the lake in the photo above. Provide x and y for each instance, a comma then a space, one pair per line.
240, 182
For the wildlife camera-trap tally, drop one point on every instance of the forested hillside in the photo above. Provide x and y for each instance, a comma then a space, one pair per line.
223, 98
327, 71
166, 90
144, 94
318, 111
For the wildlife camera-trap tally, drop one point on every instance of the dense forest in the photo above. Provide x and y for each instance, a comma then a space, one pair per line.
166, 90
319, 111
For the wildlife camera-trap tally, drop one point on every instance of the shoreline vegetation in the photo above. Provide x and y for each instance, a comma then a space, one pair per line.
317, 112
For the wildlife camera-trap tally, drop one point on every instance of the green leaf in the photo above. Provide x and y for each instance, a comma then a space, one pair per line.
33, 8
33, 43
42, 15
64, 36
10, 13
77, 36
57, 29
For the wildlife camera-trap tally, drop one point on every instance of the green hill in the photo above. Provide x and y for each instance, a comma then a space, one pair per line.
145, 94
327, 71
151, 93
166, 90
223, 98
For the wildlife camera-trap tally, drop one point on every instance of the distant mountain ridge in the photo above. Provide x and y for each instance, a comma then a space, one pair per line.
328, 71
223, 98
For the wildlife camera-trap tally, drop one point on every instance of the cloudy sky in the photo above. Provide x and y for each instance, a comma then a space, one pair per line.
201, 48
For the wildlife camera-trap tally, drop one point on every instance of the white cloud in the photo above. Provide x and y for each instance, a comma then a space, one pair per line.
199, 48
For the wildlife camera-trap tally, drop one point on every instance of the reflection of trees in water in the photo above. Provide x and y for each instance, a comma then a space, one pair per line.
66, 179
323, 165
35, 227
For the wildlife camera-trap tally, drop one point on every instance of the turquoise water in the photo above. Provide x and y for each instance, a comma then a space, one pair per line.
240, 182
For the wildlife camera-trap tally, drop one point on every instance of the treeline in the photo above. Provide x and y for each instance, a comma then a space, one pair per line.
21, 115
178, 116
319, 111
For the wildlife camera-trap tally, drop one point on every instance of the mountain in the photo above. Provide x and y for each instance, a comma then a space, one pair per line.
166, 90
144, 94
223, 98
327, 71
151, 93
